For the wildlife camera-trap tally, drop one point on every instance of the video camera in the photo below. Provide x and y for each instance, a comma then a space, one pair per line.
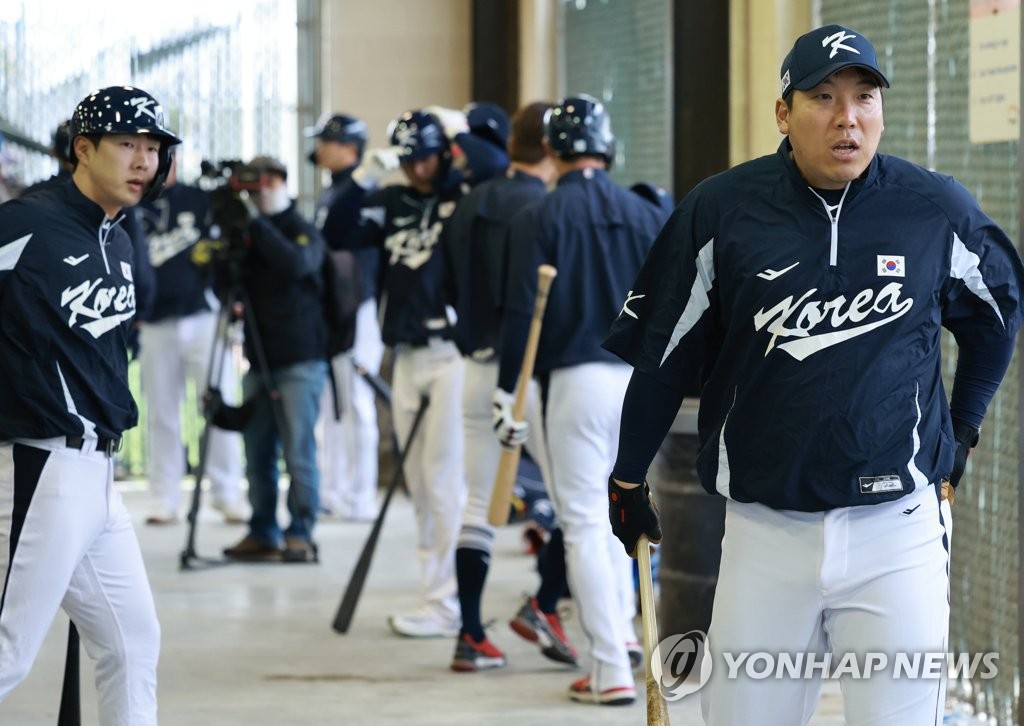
234, 174
231, 184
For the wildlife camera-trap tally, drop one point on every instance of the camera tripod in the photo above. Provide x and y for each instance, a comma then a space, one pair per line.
234, 309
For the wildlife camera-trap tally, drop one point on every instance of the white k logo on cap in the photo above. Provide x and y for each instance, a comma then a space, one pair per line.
836, 39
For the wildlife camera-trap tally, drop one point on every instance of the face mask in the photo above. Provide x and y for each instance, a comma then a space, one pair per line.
273, 200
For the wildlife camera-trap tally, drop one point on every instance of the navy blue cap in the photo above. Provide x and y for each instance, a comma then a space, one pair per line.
823, 51
488, 121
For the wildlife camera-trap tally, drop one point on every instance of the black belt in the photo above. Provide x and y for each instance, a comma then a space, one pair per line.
103, 444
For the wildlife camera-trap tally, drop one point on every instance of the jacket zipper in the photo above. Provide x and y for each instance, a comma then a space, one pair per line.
833, 211
104, 231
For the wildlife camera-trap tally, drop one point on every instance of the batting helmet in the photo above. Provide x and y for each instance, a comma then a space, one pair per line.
488, 121
417, 134
580, 126
341, 128
124, 110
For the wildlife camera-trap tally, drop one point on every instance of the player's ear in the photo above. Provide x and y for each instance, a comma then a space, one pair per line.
81, 145
782, 116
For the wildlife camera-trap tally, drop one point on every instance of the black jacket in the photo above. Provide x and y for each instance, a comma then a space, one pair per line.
283, 276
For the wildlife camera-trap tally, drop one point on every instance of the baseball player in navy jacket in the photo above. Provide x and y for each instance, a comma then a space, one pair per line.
597, 235
67, 291
809, 290
348, 420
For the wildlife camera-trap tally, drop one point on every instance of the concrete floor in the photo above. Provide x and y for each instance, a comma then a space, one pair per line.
252, 644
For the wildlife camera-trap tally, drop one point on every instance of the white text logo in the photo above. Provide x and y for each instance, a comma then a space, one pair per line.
630, 297
682, 665
412, 247
679, 665
104, 307
836, 39
142, 106
804, 315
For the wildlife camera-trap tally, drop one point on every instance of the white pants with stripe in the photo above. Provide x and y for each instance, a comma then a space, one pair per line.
350, 446
582, 424
171, 353
483, 452
433, 466
855, 580
66, 541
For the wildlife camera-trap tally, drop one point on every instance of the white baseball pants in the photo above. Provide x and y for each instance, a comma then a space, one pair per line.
66, 541
582, 423
173, 352
483, 452
434, 463
350, 447
856, 580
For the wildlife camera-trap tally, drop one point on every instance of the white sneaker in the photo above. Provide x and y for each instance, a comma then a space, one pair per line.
232, 511
161, 516
424, 624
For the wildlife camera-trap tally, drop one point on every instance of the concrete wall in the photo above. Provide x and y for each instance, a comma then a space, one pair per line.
762, 32
384, 57
538, 51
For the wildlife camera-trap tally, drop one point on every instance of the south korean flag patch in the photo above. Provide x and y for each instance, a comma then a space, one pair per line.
891, 266
126, 271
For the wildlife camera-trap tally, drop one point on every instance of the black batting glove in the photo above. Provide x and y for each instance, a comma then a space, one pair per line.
966, 439
633, 513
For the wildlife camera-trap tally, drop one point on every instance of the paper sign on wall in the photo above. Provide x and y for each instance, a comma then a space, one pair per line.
995, 71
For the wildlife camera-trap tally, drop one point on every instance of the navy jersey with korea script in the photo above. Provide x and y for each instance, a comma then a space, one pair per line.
68, 298
597, 235
176, 228
407, 226
816, 327
476, 250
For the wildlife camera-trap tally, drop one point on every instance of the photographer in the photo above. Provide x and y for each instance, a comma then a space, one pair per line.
279, 257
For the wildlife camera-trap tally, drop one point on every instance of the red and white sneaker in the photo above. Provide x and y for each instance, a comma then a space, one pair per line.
546, 630
581, 691
471, 655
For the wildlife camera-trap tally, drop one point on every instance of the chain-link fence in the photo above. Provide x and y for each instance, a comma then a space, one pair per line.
621, 53
224, 72
924, 47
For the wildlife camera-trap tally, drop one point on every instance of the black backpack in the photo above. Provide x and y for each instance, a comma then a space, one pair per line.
343, 292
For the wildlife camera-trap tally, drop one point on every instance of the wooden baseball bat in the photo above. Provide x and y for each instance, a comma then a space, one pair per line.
347, 608
657, 709
501, 495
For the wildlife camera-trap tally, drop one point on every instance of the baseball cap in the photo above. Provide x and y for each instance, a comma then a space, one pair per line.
269, 165
339, 127
823, 51
488, 121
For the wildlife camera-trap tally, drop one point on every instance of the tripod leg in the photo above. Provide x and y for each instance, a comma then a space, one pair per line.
218, 355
